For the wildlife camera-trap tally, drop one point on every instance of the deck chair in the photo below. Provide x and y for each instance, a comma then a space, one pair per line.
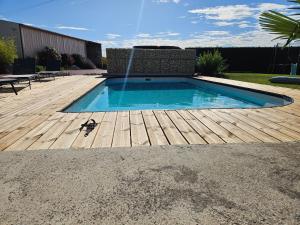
9, 81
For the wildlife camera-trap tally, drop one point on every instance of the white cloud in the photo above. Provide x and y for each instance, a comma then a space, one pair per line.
168, 33
112, 36
240, 24
254, 38
230, 12
143, 35
3, 18
217, 33
194, 22
271, 6
167, 1
235, 12
158, 35
71, 28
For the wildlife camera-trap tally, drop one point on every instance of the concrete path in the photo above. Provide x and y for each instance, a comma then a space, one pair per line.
222, 184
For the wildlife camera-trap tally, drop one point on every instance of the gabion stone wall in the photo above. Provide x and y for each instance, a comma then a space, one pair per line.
151, 61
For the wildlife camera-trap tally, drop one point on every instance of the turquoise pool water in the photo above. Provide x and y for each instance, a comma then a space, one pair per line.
117, 94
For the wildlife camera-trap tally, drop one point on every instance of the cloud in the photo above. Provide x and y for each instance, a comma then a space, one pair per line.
271, 6
231, 12
168, 33
167, 1
158, 35
235, 12
112, 36
72, 28
254, 38
240, 24
3, 18
143, 35
217, 33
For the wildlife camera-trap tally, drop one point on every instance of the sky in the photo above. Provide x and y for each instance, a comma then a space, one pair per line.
125, 23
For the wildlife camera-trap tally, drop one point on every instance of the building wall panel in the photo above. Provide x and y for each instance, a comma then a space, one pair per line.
35, 40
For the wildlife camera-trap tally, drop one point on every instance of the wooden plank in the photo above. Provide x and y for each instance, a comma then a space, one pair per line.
45, 141
240, 114
25, 141
241, 134
67, 138
156, 134
170, 130
139, 136
257, 133
105, 133
209, 136
18, 133
122, 130
223, 133
185, 129
287, 134
83, 141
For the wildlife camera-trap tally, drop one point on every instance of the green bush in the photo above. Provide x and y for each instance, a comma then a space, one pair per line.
211, 63
8, 52
39, 68
48, 54
82, 62
67, 60
104, 63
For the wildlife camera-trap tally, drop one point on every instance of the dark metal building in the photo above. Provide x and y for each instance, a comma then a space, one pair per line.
30, 40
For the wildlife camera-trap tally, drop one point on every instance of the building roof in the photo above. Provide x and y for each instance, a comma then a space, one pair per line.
48, 31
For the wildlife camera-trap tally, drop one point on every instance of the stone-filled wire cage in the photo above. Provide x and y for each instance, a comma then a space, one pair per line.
153, 62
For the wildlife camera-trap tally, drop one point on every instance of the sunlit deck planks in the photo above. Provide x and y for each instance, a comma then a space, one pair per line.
32, 120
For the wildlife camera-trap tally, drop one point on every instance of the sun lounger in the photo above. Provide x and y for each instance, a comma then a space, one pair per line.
285, 80
27, 77
9, 81
53, 74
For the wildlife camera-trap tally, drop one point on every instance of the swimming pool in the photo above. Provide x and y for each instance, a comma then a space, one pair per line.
118, 94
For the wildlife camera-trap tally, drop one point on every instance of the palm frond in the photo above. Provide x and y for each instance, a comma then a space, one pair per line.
285, 27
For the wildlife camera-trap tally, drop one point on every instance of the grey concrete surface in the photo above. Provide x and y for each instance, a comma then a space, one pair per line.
213, 184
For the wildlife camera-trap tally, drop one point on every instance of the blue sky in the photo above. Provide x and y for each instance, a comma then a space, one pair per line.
123, 23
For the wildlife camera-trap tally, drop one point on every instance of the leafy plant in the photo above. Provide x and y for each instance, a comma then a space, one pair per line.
67, 60
39, 68
103, 63
82, 62
48, 54
8, 52
211, 63
286, 27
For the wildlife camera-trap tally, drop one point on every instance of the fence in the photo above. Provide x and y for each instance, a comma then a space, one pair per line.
258, 60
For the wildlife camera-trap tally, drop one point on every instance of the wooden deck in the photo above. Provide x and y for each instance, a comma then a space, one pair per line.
32, 121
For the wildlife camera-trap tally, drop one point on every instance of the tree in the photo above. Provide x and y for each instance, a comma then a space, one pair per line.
8, 52
286, 27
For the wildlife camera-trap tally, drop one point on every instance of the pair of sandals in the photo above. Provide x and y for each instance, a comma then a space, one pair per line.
90, 126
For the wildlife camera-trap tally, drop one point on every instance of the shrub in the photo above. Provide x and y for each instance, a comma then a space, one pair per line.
48, 54
211, 63
8, 52
82, 62
103, 63
67, 60
39, 68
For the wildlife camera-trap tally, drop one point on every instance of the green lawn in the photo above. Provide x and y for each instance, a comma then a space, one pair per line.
259, 78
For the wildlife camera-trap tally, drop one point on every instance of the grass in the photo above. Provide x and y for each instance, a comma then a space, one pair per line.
259, 79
